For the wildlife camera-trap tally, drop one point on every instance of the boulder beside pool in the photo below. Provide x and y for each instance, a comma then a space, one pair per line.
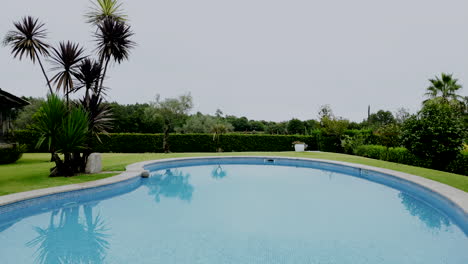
94, 163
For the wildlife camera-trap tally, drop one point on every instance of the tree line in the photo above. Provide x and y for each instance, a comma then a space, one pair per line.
436, 132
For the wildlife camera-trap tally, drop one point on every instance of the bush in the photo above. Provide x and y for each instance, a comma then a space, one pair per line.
404, 156
398, 154
29, 139
435, 134
11, 153
460, 164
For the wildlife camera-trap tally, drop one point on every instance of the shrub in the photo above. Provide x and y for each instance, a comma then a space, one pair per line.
11, 153
404, 156
350, 144
29, 139
460, 164
436, 134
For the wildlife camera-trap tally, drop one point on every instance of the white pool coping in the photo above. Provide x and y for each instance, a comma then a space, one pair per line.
454, 195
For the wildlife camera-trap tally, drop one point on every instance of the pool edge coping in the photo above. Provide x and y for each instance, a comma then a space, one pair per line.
454, 195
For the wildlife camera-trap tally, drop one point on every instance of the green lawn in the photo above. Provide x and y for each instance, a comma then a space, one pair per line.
31, 171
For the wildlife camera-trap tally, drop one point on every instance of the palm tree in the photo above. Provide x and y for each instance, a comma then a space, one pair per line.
66, 59
88, 73
218, 130
66, 131
56, 243
444, 88
28, 40
113, 41
105, 9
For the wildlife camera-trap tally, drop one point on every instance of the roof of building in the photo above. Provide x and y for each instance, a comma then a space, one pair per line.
10, 101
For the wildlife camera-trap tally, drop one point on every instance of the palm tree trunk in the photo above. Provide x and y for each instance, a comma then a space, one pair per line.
103, 76
166, 139
43, 72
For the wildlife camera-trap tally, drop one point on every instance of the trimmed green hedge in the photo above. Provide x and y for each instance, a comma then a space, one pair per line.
140, 143
11, 153
403, 156
29, 139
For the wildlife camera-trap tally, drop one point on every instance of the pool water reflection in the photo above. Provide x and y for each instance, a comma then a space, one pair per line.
240, 214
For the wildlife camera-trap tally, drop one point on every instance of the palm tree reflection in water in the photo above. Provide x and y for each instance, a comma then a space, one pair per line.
218, 172
71, 239
171, 184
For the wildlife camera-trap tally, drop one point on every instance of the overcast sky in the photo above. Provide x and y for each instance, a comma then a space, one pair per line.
265, 59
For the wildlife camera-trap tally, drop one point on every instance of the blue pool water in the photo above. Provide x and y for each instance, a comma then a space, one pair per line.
223, 212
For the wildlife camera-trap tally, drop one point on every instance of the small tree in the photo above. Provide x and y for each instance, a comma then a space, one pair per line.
173, 111
389, 136
65, 129
381, 118
296, 126
435, 134
219, 129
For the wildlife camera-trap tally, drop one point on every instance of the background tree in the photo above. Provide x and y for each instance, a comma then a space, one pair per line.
401, 115
256, 126
276, 128
381, 118
325, 111
28, 40
200, 123
444, 88
296, 126
311, 125
173, 111
241, 124
24, 117
435, 134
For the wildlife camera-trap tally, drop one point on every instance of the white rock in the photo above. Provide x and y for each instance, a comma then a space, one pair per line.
94, 164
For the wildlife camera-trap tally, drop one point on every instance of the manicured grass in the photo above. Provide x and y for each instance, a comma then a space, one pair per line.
31, 171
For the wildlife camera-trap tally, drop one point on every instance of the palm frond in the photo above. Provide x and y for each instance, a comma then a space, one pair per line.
113, 40
66, 60
102, 9
443, 88
28, 39
87, 74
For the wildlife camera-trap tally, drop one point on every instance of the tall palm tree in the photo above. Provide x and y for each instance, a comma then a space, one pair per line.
103, 9
66, 60
444, 88
113, 42
28, 40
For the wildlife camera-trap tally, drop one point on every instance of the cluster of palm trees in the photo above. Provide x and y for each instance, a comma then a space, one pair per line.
62, 126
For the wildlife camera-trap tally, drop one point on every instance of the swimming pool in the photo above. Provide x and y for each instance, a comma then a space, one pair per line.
239, 210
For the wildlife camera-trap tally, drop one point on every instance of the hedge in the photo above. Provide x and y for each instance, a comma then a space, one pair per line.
140, 143
11, 153
403, 156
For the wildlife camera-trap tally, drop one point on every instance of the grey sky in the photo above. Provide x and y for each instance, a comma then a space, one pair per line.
265, 59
